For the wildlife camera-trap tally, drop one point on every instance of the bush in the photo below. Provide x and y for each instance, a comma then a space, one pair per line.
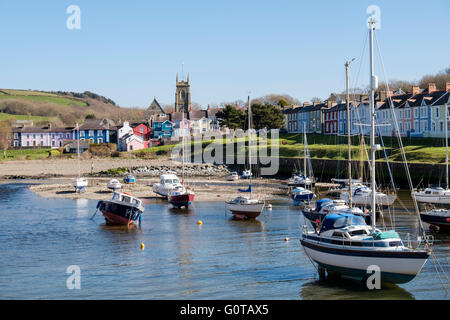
54, 153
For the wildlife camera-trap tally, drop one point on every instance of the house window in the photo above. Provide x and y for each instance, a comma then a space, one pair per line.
28, 143
441, 126
416, 125
100, 140
91, 133
433, 127
437, 112
34, 135
16, 135
61, 135
42, 136
99, 132
423, 124
67, 135
16, 143
416, 113
53, 143
82, 133
422, 112
42, 143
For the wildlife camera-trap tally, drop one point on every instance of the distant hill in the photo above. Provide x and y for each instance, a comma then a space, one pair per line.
62, 108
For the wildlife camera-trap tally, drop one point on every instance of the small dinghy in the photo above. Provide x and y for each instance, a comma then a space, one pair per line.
129, 179
114, 184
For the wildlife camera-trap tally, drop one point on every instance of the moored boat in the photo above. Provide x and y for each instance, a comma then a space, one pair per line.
181, 197
114, 184
122, 209
437, 217
346, 245
300, 195
166, 183
129, 178
232, 176
243, 207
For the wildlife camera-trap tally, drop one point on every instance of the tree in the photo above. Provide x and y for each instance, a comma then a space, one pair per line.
267, 116
5, 136
231, 117
283, 102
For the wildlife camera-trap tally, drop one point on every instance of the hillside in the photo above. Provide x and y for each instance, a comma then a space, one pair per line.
61, 108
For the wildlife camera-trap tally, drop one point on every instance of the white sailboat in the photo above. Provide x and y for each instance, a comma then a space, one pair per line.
346, 245
80, 182
181, 196
244, 207
304, 180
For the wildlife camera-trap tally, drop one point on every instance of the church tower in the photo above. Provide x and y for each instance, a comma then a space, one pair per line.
183, 96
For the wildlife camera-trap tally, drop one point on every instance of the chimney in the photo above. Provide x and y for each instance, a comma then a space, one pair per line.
431, 87
415, 90
447, 86
329, 103
383, 95
305, 104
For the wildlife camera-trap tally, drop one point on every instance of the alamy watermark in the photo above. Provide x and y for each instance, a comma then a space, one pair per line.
73, 22
374, 279
74, 280
230, 148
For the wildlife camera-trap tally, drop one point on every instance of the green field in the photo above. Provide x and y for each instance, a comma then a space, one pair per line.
38, 96
335, 148
6, 116
25, 154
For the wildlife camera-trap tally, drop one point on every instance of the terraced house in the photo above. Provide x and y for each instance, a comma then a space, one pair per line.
97, 131
47, 136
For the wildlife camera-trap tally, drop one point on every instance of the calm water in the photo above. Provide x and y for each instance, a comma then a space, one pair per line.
221, 259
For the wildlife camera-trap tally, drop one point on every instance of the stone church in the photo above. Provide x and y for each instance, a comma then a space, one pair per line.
183, 95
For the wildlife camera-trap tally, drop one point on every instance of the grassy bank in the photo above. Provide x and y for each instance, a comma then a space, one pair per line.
291, 146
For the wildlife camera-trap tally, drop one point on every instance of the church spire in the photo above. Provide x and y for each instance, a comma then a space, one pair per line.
177, 77
188, 78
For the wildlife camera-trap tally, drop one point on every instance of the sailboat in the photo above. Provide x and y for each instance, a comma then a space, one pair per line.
80, 183
438, 195
326, 206
180, 196
343, 243
246, 207
303, 180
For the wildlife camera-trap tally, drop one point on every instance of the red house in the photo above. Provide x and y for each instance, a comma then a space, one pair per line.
330, 120
143, 131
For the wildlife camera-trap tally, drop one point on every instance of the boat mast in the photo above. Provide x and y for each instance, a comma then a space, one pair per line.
372, 122
182, 146
78, 150
347, 64
304, 149
446, 146
249, 145
361, 155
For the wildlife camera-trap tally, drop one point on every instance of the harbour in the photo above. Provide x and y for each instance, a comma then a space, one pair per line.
220, 259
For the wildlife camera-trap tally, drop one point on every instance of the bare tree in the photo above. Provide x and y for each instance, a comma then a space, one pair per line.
5, 136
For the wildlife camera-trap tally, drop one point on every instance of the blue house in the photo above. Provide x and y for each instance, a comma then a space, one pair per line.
97, 131
162, 129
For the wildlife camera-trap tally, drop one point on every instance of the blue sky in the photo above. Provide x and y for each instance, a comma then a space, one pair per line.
130, 51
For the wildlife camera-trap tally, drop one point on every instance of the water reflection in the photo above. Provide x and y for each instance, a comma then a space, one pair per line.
345, 289
246, 226
82, 207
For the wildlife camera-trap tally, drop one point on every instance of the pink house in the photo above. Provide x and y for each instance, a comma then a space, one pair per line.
131, 142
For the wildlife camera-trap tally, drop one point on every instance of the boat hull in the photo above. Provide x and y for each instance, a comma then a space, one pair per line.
182, 200
245, 211
118, 214
395, 266
366, 200
443, 222
433, 199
